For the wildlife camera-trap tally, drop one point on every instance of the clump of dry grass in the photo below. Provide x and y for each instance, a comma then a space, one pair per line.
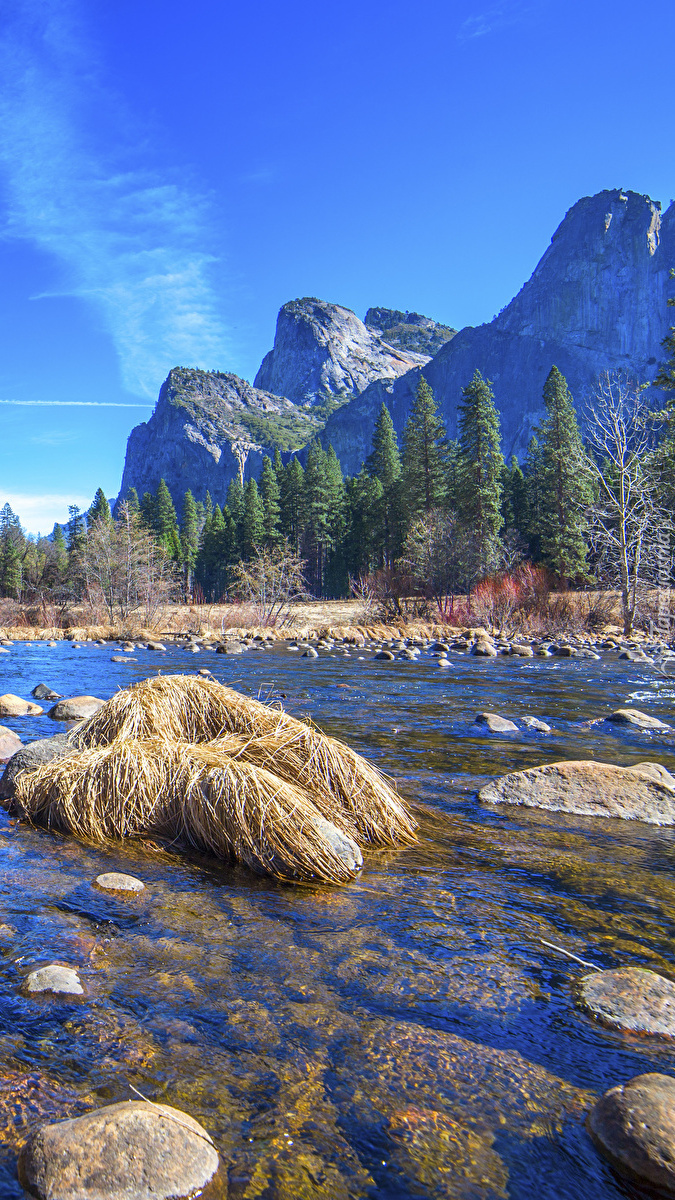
196, 793
192, 709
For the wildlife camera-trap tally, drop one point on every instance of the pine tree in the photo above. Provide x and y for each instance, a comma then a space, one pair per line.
60, 552
133, 503
100, 509
535, 499
479, 492
424, 442
189, 538
316, 510
10, 568
363, 542
270, 495
253, 520
292, 503
235, 504
384, 464
75, 530
166, 521
279, 468
514, 498
565, 487
208, 506
335, 582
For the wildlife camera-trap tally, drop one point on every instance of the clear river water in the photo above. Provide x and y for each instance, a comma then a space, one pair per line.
408, 1035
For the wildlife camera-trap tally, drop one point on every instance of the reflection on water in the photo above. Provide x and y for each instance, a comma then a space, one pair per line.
405, 1036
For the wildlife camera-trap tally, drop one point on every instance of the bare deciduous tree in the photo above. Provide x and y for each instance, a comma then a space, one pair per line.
625, 515
272, 580
437, 553
126, 567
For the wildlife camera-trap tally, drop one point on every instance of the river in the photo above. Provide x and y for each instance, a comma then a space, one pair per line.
408, 1035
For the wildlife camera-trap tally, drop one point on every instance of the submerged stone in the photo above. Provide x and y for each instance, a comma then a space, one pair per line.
631, 999
633, 1125
114, 881
55, 978
127, 1151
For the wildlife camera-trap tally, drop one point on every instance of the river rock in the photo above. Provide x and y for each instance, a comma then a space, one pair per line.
495, 723
536, 724
310, 652
115, 881
631, 999
127, 1151
231, 648
10, 742
591, 789
633, 1125
633, 716
155, 645
42, 692
384, 655
342, 844
30, 757
521, 650
76, 708
14, 706
483, 650
121, 658
55, 978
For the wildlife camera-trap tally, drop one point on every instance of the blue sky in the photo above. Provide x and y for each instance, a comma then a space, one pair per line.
171, 173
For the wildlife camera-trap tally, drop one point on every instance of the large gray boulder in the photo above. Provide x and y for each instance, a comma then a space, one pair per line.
634, 716
127, 1151
633, 1125
30, 757
645, 792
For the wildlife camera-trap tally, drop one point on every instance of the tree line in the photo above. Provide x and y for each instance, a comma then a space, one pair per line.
445, 512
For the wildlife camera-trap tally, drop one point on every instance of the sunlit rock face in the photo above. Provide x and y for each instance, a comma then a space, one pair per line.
596, 301
323, 350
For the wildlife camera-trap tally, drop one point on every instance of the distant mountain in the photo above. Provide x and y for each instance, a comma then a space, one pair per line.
596, 301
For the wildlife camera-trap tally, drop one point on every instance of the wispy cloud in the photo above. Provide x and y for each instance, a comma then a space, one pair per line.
498, 16
133, 240
39, 513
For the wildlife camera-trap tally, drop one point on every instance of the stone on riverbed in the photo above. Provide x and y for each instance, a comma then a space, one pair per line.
14, 706
645, 792
131, 1151
155, 645
536, 724
76, 708
10, 742
340, 842
55, 978
633, 1125
633, 716
384, 655
42, 692
310, 652
483, 649
30, 757
116, 881
631, 999
495, 723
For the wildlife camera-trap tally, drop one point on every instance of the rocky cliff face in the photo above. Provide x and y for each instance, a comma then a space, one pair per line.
205, 428
596, 301
323, 351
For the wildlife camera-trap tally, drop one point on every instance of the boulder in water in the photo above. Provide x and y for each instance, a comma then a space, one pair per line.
645, 792
631, 999
495, 723
30, 757
633, 1125
76, 708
